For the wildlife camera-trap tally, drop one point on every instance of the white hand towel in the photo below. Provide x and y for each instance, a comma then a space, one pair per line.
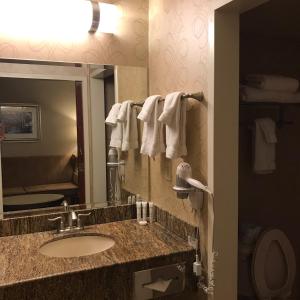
152, 141
127, 118
116, 131
273, 82
174, 116
113, 114
264, 146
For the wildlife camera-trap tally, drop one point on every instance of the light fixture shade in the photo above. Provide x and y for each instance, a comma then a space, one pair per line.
59, 20
109, 16
95, 17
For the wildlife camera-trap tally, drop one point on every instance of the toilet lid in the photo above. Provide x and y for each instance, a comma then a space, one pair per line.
273, 265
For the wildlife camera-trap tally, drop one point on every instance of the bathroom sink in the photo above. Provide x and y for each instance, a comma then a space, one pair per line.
77, 245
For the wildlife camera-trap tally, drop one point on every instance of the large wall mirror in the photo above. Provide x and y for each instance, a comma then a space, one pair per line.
55, 144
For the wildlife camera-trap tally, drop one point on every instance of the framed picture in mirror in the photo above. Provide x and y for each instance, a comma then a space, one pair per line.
20, 122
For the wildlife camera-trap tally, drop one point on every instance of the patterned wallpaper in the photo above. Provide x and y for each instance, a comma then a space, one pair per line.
178, 60
128, 47
132, 83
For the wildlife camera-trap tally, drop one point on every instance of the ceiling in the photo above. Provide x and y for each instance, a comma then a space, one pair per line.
276, 18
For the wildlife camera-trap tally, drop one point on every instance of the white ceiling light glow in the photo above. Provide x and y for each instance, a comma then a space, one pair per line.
56, 19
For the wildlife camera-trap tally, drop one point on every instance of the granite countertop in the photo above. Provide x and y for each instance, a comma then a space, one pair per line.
20, 260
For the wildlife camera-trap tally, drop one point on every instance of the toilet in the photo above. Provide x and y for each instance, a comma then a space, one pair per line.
273, 266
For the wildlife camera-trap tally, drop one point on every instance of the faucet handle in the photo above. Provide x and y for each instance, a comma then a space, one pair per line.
79, 221
61, 222
65, 204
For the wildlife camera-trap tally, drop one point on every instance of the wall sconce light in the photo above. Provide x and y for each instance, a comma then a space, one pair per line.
96, 17
66, 20
105, 17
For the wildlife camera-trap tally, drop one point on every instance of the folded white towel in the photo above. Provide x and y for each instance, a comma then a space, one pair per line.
116, 128
264, 146
152, 141
250, 94
273, 82
127, 118
174, 116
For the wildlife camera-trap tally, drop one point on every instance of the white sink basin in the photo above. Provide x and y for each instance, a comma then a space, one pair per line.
77, 245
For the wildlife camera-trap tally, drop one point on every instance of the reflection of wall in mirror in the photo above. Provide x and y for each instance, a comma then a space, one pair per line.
131, 84
46, 160
58, 115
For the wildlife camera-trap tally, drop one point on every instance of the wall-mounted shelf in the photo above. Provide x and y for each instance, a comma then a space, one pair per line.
281, 106
268, 103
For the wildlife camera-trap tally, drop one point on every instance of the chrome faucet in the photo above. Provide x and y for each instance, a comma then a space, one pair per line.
72, 218
65, 204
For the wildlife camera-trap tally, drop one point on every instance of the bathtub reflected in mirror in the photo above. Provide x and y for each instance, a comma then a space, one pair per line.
54, 142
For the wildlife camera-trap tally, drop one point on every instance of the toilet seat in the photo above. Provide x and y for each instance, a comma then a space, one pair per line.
264, 269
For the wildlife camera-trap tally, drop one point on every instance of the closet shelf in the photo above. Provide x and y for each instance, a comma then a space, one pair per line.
267, 103
281, 121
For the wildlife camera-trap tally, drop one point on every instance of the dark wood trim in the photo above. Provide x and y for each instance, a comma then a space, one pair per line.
80, 141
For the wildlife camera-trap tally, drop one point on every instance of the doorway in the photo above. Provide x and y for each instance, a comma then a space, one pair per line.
223, 120
269, 182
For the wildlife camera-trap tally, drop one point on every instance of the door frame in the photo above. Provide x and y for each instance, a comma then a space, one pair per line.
223, 124
80, 142
66, 73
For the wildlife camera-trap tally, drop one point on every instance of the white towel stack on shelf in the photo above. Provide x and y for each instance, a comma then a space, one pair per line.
270, 88
273, 83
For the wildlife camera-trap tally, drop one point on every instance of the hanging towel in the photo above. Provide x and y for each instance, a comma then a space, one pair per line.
127, 118
152, 141
174, 116
273, 82
113, 114
264, 146
116, 127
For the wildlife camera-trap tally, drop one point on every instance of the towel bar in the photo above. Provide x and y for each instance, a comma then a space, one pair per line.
197, 96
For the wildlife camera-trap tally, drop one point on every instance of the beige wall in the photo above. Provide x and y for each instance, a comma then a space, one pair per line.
131, 83
178, 60
128, 47
58, 115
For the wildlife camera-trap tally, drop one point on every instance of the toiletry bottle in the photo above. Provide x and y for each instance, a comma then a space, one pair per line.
151, 212
138, 210
133, 199
129, 200
145, 206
